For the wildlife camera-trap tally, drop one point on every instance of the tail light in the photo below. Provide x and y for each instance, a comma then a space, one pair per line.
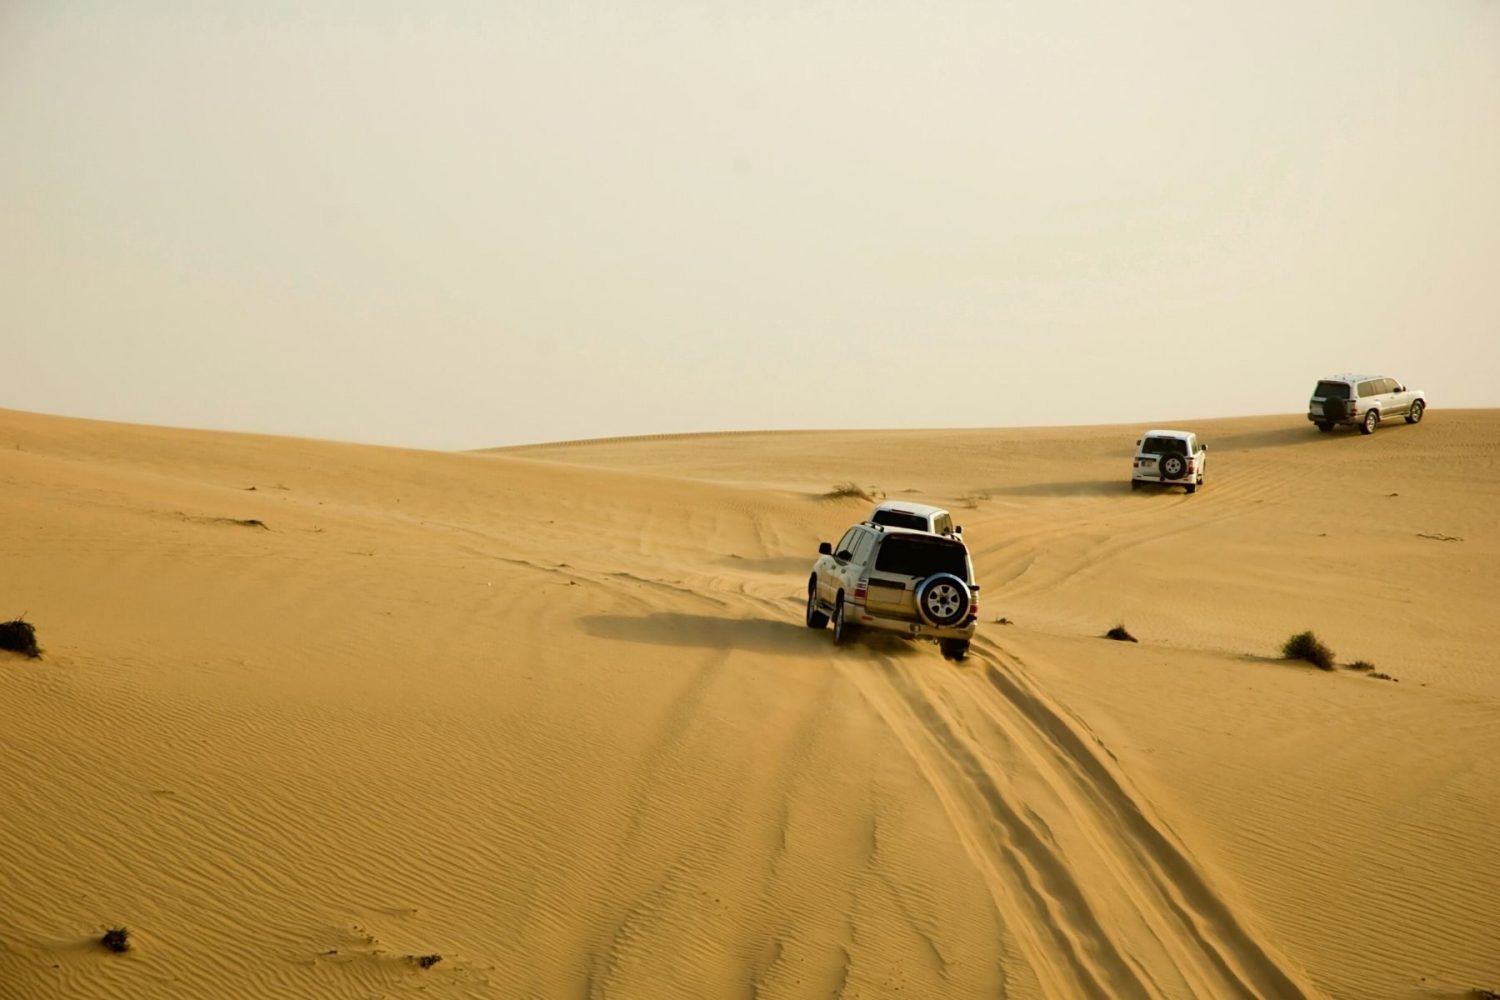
862, 590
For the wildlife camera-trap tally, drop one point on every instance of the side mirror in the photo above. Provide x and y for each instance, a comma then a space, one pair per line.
825, 548
1400, 388
1204, 447
1137, 442
958, 530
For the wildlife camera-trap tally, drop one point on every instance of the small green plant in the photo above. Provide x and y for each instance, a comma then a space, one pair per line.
1308, 647
19, 636
1119, 634
116, 939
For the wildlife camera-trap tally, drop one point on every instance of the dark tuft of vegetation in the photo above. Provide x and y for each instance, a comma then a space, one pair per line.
1377, 675
116, 939
426, 961
1119, 634
851, 490
1483, 994
1002, 620
1309, 648
19, 636
1363, 666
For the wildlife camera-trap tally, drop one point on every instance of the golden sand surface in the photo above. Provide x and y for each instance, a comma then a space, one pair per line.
309, 711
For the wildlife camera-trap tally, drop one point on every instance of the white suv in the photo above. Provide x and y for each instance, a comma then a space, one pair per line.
917, 516
1364, 401
1169, 458
914, 583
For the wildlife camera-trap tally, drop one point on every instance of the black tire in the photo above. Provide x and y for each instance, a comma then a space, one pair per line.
1135, 484
1172, 466
943, 600
1415, 416
1325, 426
954, 649
815, 616
1370, 422
842, 631
1192, 487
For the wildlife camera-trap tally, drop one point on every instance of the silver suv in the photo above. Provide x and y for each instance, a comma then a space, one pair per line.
1363, 401
917, 516
914, 583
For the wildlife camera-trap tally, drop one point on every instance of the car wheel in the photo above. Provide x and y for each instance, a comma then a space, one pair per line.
1324, 426
1192, 487
1371, 421
842, 630
815, 616
954, 649
1172, 466
943, 599
1415, 416
1135, 484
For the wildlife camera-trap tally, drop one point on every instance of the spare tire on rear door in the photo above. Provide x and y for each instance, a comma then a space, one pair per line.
943, 600
1173, 466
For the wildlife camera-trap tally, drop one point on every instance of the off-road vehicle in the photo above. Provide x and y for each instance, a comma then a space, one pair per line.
1169, 458
917, 516
1363, 401
914, 583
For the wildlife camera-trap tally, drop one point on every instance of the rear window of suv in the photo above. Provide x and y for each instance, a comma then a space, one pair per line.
1332, 390
900, 519
916, 555
1164, 446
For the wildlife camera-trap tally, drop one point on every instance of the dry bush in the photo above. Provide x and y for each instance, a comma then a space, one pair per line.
1308, 647
851, 490
1119, 634
19, 636
116, 939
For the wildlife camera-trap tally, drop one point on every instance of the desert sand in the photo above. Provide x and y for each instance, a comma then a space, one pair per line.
308, 711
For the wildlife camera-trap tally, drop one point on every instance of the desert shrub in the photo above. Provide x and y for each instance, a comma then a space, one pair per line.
19, 636
1363, 666
116, 939
1482, 994
1308, 647
1119, 634
851, 490
426, 961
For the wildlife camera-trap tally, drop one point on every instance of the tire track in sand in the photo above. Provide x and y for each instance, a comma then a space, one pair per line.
1101, 898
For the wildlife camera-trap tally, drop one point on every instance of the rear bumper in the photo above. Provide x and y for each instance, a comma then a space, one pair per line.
1318, 418
864, 619
1147, 477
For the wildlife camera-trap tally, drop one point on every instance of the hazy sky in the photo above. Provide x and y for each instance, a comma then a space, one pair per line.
453, 224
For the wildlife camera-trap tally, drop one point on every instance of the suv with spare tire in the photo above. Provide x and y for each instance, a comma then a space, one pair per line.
1363, 401
1169, 458
913, 583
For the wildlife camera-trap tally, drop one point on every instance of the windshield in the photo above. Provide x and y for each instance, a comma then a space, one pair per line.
915, 555
900, 519
1332, 390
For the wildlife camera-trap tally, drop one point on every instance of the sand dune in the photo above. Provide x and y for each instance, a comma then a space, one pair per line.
308, 711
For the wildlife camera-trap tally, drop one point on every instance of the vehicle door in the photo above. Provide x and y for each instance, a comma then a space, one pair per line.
1397, 399
1369, 395
833, 570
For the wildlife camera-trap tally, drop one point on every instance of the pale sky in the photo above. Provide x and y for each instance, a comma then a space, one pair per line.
455, 225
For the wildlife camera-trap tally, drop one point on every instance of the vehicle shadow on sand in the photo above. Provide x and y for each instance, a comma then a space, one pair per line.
1282, 437
761, 635
1069, 488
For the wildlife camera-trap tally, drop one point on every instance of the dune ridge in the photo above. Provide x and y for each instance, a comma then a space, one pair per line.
309, 711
